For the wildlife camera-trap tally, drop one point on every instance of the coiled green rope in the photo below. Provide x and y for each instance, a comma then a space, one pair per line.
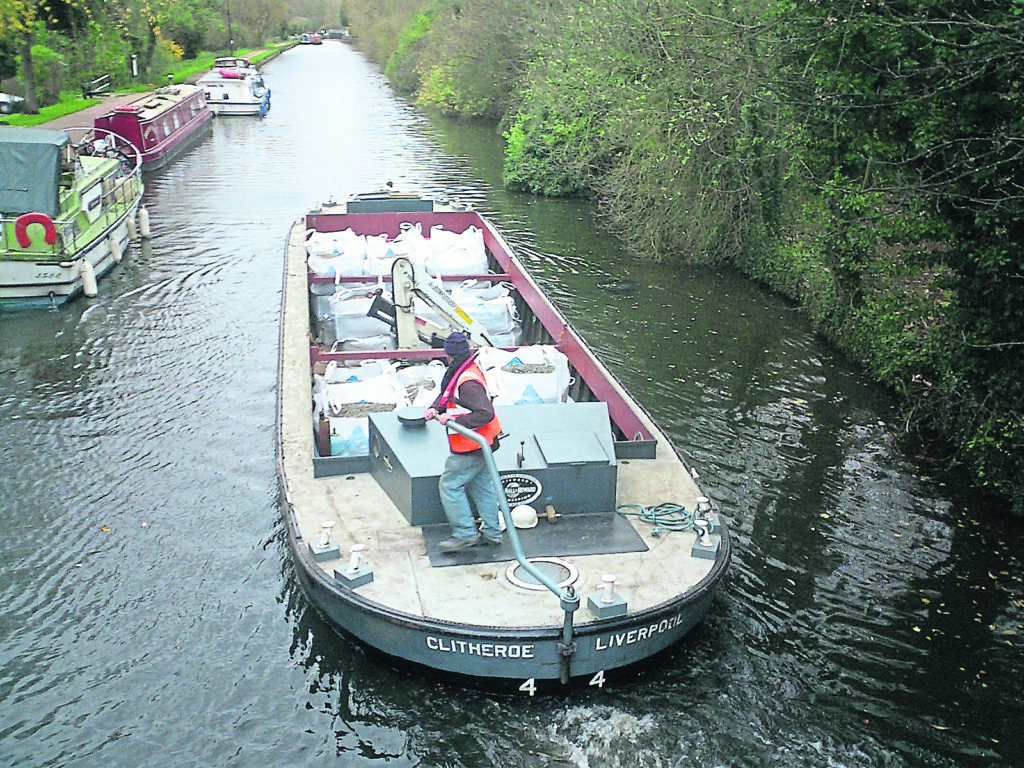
664, 517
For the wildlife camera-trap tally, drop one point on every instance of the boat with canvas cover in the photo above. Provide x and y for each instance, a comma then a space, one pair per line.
68, 201
610, 552
162, 124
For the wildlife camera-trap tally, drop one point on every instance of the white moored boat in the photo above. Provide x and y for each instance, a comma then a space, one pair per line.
620, 554
68, 201
236, 90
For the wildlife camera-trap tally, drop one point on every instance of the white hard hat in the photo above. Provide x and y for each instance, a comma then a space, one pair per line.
524, 516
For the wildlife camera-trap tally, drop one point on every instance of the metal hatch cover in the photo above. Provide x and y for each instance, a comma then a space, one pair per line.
572, 448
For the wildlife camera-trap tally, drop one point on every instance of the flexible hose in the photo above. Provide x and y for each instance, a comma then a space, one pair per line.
666, 516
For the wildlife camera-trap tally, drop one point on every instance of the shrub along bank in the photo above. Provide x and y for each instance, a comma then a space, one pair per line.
866, 161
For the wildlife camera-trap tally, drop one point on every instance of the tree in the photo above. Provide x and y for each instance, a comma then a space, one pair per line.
17, 22
914, 132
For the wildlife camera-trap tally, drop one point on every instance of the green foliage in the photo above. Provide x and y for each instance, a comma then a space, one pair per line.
187, 26
547, 164
49, 71
111, 55
994, 456
403, 67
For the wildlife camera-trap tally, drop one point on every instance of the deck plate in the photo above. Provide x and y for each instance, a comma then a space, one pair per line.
600, 533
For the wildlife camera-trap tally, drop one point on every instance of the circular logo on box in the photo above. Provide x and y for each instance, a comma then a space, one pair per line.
520, 488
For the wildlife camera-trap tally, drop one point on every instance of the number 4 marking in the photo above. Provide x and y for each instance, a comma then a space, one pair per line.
529, 686
598, 679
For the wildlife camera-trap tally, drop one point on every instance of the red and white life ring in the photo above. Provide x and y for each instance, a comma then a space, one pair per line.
21, 228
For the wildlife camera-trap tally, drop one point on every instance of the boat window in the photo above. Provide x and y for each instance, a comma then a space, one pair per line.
177, 122
167, 128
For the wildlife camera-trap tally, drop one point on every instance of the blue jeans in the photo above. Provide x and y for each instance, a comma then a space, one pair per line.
466, 477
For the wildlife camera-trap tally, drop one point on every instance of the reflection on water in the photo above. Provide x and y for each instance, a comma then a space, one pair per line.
150, 612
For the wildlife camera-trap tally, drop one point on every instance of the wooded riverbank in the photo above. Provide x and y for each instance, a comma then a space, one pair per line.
866, 162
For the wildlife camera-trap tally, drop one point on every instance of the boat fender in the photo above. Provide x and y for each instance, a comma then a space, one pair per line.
89, 287
144, 223
115, 249
21, 228
133, 230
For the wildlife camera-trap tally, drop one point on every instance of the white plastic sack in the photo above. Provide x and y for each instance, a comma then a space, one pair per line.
534, 374
411, 243
496, 312
513, 337
349, 403
338, 374
452, 253
369, 344
422, 381
348, 320
336, 254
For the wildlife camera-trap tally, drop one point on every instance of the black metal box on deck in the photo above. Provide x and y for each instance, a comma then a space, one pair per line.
559, 453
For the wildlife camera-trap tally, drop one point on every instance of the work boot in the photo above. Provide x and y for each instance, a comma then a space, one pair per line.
454, 545
488, 540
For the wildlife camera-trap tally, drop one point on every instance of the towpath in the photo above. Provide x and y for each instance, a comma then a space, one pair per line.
85, 117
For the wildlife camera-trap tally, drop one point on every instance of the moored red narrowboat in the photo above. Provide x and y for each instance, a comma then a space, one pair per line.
162, 124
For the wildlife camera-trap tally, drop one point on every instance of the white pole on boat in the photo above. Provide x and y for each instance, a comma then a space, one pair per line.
609, 588
89, 287
609, 604
356, 574
702, 528
115, 249
354, 557
144, 222
325, 533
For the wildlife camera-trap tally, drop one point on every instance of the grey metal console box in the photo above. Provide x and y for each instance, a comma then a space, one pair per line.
561, 454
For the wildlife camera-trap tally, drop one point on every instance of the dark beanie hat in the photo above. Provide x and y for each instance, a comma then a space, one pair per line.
456, 345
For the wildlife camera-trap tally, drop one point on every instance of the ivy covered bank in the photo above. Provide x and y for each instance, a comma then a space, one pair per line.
864, 158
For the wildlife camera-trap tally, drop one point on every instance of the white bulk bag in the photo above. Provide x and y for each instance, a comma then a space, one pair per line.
348, 308
422, 381
411, 243
535, 374
349, 404
336, 254
337, 374
369, 344
452, 253
496, 312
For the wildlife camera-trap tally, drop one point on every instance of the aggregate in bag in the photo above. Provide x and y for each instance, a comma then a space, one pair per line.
494, 310
528, 375
372, 388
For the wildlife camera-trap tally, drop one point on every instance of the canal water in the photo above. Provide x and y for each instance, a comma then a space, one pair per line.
150, 616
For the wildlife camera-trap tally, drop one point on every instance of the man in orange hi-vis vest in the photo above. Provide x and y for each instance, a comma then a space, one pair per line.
464, 398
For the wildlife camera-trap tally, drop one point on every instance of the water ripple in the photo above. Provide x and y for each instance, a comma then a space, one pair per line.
151, 613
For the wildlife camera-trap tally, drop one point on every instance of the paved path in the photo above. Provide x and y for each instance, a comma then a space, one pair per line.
84, 117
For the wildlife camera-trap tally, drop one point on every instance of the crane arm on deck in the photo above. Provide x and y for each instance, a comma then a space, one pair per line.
410, 281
